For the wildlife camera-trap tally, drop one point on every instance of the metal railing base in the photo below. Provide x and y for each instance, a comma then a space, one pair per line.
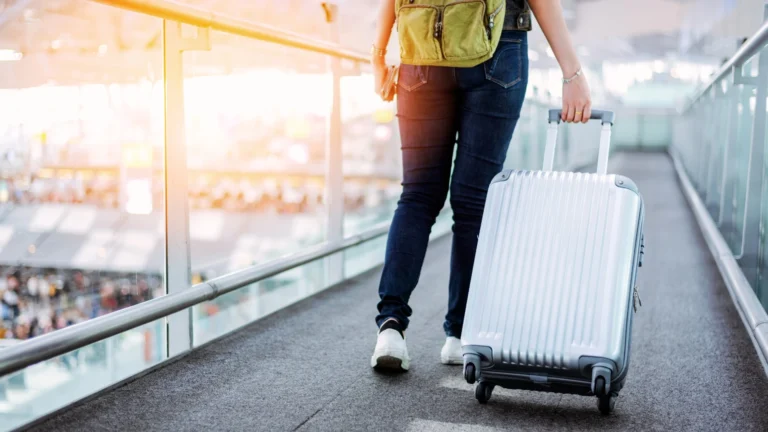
745, 300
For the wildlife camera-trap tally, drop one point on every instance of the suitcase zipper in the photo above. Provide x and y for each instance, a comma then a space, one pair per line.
636, 299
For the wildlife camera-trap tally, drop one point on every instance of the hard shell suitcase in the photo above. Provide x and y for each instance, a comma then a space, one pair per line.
553, 286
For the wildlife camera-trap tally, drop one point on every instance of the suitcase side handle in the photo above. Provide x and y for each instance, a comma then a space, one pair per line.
555, 116
607, 118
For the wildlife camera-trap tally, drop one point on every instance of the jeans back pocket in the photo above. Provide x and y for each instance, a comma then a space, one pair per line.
505, 68
412, 77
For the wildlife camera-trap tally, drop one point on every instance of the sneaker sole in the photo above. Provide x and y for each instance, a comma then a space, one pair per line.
389, 363
452, 361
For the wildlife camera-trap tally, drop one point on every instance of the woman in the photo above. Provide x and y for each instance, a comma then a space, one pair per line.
482, 104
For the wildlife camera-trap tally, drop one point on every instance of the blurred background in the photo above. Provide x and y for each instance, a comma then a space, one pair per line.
82, 134
83, 164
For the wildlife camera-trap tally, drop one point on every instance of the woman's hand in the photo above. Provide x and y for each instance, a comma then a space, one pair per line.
577, 104
384, 22
379, 73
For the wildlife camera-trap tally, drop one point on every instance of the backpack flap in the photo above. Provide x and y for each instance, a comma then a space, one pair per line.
458, 33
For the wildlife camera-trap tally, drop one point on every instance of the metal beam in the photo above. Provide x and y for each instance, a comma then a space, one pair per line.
207, 19
747, 51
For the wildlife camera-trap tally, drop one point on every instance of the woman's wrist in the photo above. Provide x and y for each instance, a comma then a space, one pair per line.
378, 61
378, 55
572, 78
570, 70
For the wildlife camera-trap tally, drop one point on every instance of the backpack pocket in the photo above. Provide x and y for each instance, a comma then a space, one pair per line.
418, 27
465, 30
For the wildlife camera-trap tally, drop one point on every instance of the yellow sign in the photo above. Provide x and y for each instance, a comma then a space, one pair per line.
296, 128
383, 116
137, 156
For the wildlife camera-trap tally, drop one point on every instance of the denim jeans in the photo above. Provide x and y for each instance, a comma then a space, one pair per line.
482, 105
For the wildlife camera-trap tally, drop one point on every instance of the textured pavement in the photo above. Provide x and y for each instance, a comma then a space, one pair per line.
693, 366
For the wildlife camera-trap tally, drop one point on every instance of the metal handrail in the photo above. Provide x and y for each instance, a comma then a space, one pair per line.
48, 346
745, 52
206, 19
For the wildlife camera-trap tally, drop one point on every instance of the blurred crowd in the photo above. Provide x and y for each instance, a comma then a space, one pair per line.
99, 191
38, 301
224, 194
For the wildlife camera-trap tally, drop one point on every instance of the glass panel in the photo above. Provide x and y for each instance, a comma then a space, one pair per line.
50, 385
542, 114
627, 132
762, 281
372, 161
359, 259
519, 153
746, 108
704, 157
81, 194
754, 240
81, 178
762, 274
256, 130
256, 117
656, 130
690, 134
717, 154
236, 309
578, 146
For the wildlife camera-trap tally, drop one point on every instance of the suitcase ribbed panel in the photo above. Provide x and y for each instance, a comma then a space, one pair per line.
552, 277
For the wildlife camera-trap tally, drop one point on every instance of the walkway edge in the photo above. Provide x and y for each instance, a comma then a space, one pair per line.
750, 310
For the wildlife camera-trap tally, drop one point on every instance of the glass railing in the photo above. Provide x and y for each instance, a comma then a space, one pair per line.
720, 140
132, 172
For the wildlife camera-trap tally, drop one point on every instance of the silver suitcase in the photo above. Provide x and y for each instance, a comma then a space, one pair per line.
553, 286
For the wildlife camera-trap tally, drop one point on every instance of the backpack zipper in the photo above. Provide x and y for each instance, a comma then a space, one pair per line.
439, 24
489, 29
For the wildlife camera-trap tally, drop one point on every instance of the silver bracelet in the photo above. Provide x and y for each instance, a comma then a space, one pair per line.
576, 75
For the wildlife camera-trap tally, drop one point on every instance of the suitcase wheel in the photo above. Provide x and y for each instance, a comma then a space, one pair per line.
606, 401
469, 373
483, 391
600, 389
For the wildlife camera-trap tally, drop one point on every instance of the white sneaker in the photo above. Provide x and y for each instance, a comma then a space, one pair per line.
451, 353
391, 353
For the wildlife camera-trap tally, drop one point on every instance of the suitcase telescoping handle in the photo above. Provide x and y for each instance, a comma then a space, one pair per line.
606, 117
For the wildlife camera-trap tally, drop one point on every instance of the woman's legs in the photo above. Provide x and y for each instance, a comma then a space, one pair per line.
483, 104
492, 96
427, 119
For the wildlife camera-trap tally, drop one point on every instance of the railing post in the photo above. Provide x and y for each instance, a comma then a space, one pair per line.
710, 185
750, 259
177, 246
759, 195
334, 175
725, 219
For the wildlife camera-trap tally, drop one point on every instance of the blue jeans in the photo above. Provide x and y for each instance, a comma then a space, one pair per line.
482, 104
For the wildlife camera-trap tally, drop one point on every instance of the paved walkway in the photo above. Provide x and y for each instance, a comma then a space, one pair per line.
693, 366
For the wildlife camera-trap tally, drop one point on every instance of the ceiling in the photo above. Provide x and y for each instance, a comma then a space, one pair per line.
77, 40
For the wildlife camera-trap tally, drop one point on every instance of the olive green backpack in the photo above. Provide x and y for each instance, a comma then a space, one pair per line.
458, 33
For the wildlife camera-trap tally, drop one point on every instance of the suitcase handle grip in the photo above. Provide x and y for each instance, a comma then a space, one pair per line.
607, 118
555, 116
